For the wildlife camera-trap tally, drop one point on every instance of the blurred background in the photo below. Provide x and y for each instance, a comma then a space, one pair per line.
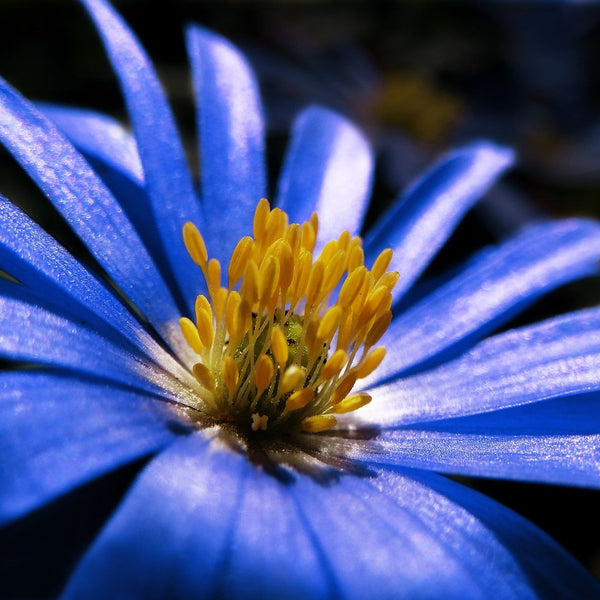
418, 78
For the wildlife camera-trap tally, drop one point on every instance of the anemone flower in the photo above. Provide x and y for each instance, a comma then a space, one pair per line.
288, 458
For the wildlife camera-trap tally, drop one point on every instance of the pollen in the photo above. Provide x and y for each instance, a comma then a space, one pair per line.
282, 345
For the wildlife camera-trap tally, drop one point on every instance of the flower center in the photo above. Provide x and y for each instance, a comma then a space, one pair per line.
281, 347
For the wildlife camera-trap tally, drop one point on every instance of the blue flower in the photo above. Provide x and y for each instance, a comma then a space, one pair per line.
356, 510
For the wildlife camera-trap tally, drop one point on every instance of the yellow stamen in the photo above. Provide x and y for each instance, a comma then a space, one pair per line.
309, 233
266, 341
352, 286
379, 328
370, 362
382, 262
344, 386
264, 373
315, 282
356, 258
318, 423
347, 327
260, 219
344, 240
230, 373
336, 362
239, 258
376, 299
328, 251
204, 376
268, 278
329, 323
282, 251
351, 403
389, 280
204, 323
334, 270
219, 302
275, 227
202, 303
313, 343
292, 377
213, 279
299, 399
249, 289
190, 333
361, 294
301, 275
279, 347
194, 244
294, 238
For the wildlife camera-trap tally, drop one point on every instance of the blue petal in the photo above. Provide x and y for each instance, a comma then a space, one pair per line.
77, 192
231, 136
98, 136
112, 153
549, 570
59, 283
32, 334
57, 433
418, 224
168, 180
328, 169
203, 522
545, 458
551, 442
488, 292
405, 542
531, 450
554, 358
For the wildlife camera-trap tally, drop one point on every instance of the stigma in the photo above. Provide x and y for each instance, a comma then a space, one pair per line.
283, 336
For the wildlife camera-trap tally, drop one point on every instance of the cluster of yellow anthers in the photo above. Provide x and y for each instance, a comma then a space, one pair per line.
275, 352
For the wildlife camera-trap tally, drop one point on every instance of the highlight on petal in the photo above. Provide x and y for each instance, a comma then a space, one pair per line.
548, 570
169, 185
174, 536
363, 531
57, 432
89, 208
565, 459
420, 221
490, 290
328, 169
32, 334
98, 136
112, 152
551, 359
58, 282
554, 442
231, 138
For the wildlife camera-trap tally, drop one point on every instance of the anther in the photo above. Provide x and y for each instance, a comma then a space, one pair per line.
204, 376
351, 403
299, 399
194, 244
264, 373
318, 423
279, 345
190, 333
265, 340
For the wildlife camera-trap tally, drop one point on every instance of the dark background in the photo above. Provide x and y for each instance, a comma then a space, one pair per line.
419, 78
